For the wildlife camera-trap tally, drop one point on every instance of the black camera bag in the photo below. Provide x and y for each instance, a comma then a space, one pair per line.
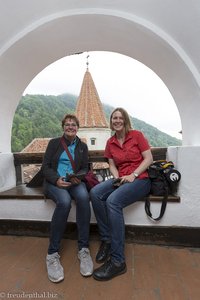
164, 181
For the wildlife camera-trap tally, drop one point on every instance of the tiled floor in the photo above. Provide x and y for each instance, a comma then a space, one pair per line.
154, 273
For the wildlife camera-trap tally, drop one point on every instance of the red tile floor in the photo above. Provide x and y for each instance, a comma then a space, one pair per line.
154, 273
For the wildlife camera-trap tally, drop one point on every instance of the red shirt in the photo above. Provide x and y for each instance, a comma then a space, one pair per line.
127, 157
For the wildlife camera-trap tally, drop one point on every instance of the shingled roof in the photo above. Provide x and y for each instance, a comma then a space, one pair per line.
40, 145
89, 109
37, 145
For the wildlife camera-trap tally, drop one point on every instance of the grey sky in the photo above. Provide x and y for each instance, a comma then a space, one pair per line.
120, 81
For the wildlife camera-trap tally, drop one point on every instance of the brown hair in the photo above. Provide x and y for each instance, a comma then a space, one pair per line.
127, 122
70, 116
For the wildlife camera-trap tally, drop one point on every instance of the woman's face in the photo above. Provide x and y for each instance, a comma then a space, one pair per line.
117, 121
70, 129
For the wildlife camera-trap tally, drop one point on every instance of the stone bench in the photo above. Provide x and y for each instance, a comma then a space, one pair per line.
26, 211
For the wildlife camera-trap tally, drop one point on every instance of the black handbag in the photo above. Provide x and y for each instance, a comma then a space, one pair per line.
37, 180
164, 181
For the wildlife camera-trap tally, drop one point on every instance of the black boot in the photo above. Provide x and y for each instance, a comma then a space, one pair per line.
103, 253
109, 270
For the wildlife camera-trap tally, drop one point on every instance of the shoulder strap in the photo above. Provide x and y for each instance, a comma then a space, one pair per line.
68, 153
163, 205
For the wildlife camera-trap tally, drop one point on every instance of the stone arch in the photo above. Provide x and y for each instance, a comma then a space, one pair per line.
69, 32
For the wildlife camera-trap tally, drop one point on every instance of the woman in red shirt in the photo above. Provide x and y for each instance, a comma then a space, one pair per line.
129, 156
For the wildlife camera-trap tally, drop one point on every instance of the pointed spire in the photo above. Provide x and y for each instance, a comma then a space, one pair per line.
89, 109
87, 63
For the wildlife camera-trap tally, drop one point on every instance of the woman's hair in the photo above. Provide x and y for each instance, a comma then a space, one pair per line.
70, 116
127, 122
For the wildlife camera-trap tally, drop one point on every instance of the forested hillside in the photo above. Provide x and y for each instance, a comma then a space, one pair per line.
40, 116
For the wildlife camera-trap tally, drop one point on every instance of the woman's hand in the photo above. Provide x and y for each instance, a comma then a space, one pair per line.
74, 180
124, 179
61, 183
127, 178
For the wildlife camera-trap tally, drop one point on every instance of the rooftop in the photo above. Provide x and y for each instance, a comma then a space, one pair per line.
37, 145
89, 109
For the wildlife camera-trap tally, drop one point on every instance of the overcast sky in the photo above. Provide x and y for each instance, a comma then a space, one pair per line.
119, 80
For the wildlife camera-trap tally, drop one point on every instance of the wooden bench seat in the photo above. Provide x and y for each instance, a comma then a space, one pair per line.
23, 192
96, 156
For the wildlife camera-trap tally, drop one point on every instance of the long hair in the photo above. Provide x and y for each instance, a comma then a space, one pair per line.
127, 122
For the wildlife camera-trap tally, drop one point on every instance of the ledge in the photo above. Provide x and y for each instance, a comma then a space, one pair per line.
155, 235
23, 192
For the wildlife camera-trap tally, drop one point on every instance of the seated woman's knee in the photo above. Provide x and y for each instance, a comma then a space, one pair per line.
64, 203
112, 202
92, 193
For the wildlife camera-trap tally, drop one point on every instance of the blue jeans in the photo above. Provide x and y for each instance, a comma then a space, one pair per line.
62, 199
108, 203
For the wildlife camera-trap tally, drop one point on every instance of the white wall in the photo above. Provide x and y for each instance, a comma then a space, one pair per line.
139, 29
185, 213
101, 135
7, 171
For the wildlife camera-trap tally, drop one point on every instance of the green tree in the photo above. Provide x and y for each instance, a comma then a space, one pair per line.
40, 116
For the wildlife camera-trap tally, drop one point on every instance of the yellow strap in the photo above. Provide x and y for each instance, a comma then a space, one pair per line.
169, 164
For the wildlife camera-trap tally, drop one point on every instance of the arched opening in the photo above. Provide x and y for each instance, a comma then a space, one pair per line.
120, 81
40, 42
46, 41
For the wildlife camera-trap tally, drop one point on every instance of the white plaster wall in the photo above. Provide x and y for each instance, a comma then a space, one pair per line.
101, 135
7, 171
142, 32
185, 213
34, 210
139, 29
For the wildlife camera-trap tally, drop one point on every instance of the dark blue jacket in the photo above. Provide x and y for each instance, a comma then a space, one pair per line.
52, 154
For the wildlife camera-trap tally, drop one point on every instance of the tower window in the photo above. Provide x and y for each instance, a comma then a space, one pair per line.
93, 141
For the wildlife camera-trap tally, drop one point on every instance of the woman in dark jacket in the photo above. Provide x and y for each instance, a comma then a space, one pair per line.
61, 187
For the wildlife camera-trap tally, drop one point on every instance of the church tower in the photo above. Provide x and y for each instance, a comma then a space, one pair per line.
93, 124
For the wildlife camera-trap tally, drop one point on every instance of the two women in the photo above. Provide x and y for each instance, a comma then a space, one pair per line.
129, 156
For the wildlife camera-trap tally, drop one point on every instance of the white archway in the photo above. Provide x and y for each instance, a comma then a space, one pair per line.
69, 32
